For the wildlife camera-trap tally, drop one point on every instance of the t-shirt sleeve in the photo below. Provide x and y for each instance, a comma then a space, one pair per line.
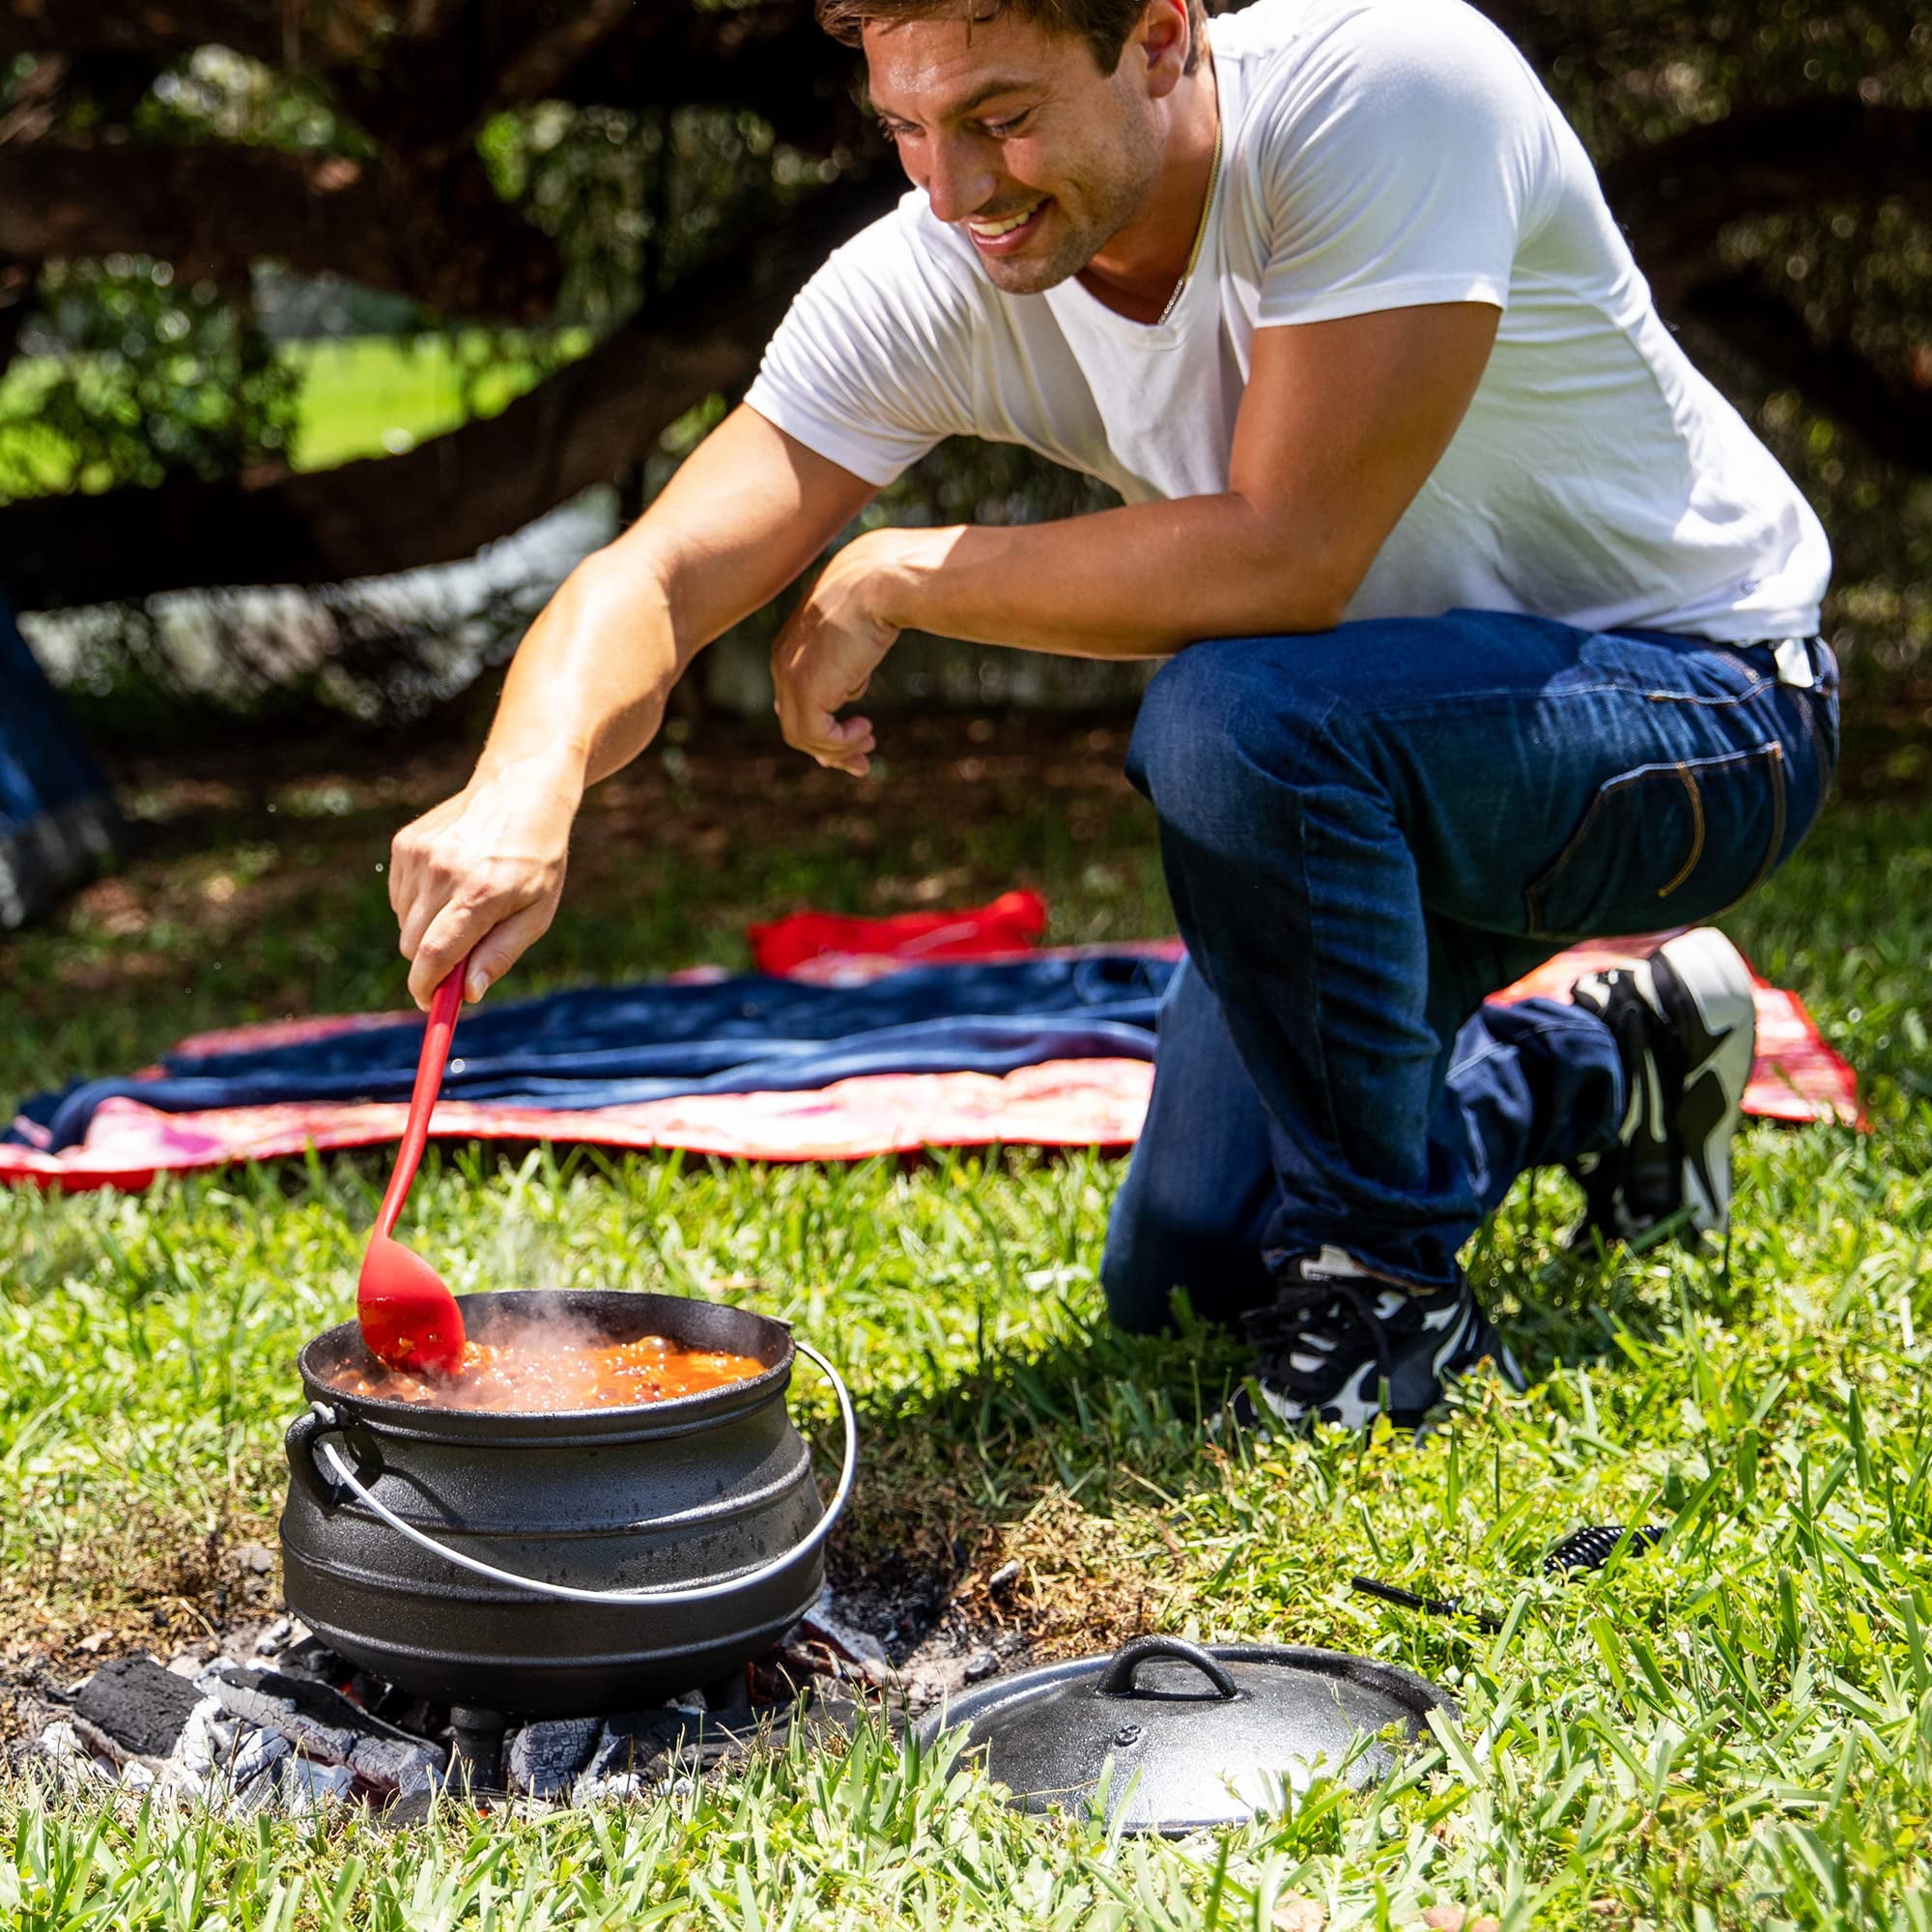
870, 366
1399, 162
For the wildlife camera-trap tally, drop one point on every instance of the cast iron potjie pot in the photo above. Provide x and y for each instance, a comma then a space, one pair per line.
686, 1492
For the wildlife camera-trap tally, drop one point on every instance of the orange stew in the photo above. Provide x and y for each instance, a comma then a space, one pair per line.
520, 1375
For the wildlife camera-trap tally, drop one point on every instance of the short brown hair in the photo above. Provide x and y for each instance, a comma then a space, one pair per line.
1103, 24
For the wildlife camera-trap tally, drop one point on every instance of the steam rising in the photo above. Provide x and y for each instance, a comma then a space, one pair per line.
550, 1359
542, 1335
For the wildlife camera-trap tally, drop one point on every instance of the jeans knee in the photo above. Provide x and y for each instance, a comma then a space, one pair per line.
1188, 740
1228, 726
1172, 722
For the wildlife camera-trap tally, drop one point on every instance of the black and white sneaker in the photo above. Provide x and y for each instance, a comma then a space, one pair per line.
1685, 1027
1340, 1340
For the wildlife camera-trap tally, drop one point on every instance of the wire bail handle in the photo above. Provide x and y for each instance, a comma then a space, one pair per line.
307, 1431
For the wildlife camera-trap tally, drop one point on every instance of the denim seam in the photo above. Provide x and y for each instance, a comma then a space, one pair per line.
1427, 707
1750, 697
1532, 1030
1814, 734
1698, 835
1774, 749
1493, 1049
1423, 707
1331, 1124
1489, 1051
1537, 891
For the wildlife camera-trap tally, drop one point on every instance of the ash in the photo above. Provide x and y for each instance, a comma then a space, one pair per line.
279, 1723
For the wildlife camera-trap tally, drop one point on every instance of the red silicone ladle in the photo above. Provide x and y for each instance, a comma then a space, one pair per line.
410, 1319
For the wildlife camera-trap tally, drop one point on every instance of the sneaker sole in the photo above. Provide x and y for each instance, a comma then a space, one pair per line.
1716, 1018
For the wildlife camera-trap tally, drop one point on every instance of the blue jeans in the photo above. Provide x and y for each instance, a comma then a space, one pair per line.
1364, 833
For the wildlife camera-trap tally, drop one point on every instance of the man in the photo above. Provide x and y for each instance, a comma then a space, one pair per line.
1489, 625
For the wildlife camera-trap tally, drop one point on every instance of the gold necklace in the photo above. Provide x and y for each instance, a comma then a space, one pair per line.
1201, 233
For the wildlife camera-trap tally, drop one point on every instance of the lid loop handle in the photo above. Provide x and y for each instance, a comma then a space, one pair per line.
1118, 1679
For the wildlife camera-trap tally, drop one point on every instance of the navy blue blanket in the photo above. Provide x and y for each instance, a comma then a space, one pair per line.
617, 1045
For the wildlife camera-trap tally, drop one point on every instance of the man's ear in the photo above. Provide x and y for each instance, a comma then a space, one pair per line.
1162, 41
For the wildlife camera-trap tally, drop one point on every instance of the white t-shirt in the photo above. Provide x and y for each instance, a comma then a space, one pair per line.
1377, 154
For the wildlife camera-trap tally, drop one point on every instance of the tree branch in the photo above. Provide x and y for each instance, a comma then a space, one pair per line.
536, 67
214, 211
1748, 317
16, 286
1675, 196
446, 498
781, 66
328, 34
426, 98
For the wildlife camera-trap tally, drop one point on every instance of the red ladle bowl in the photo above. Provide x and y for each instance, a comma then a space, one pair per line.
410, 1319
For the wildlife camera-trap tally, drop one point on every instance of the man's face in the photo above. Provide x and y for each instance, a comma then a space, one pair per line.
1017, 138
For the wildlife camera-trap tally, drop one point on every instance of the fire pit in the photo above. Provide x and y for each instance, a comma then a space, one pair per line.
565, 1563
276, 1722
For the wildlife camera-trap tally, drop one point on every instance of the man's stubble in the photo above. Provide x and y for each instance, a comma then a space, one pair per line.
1111, 192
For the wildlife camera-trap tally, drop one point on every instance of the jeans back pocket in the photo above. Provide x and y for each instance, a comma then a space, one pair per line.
1666, 844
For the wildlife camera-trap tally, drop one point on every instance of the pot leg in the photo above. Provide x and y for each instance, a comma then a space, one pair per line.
731, 1692
476, 1748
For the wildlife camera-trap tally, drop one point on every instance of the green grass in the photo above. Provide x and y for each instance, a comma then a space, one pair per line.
1732, 1731
360, 396
367, 395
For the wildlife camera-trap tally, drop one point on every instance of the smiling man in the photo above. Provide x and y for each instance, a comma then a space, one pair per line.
1490, 624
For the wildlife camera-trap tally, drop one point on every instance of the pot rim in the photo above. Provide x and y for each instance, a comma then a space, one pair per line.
671, 1415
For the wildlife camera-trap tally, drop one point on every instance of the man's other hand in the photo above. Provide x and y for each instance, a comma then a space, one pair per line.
825, 656
481, 873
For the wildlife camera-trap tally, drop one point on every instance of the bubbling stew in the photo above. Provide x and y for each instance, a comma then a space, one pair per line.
530, 1374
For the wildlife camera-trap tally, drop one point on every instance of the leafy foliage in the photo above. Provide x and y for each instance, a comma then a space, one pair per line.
152, 379
648, 159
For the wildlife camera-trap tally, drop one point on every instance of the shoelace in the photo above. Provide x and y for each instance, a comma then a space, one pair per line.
1298, 1312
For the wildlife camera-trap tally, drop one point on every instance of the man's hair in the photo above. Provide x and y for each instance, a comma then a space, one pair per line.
1103, 24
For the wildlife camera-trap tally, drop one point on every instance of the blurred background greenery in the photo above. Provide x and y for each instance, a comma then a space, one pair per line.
335, 293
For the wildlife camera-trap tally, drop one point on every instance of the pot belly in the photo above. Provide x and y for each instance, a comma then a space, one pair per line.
690, 1510
531, 1657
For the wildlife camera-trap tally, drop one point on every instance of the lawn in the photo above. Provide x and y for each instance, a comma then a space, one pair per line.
1734, 1730
360, 396
365, 395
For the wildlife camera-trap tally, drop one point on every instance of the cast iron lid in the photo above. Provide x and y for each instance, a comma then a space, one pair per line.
1184, 1736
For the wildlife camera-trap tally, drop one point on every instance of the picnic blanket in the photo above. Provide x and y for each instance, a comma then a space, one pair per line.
850, 1051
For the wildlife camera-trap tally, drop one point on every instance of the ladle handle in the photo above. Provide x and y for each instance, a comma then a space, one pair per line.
443, 1011
342, 1478
1118, 1679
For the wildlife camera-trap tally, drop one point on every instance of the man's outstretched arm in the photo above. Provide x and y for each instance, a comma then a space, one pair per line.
1340, 426
482, 872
